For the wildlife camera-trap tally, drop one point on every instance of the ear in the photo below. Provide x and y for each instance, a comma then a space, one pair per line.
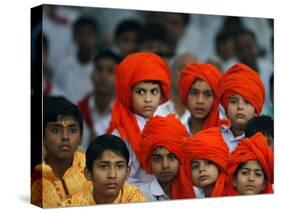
128, 171
88, 174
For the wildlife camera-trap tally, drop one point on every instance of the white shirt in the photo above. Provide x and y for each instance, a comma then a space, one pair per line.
137, 175
229, 138
100, 121
153, 191
75, 78
169, 107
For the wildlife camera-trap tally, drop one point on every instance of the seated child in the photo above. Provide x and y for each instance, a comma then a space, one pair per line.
206, 157
61, 174
242, 95
107, 168
142, 83
199, 84
162, 157
263, 124
251, 167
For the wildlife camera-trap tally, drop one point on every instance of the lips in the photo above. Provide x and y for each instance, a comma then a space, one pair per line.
111, 185
199, 110
239, 115
148, 108
165, 174
250, 187
203, 177
65, 147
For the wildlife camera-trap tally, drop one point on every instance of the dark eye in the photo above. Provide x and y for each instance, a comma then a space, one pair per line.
140, 92
103, 166
208, 162
55, 130
194, 166
156, 158
244, 172
155, 91
74, 130
259, 174
121, 166
192, 93
246, 102
232, 101
208, 94
171, 157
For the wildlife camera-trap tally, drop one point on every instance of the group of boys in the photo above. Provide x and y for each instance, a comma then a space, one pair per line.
152, 158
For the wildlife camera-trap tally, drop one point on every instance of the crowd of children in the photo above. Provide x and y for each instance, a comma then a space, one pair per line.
141, 132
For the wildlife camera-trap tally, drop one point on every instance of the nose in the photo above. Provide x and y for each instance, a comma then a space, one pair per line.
165, 163
201, 167
112, 173
147, 97
240, 104
65, 134
200, 98
251, 176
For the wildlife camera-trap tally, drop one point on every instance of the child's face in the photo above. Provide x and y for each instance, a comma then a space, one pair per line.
204, 173
62, 138
239, 111
109, 174
146, 97
200, 99
103, 76
164, 165
250, 179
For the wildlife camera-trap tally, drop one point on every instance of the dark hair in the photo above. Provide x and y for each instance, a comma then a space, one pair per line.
154, 32
129, 25
107, 54
85, 21
55, 106
263, 124
103, 143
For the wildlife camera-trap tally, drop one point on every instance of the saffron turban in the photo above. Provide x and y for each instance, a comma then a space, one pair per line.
209, 145
242, 80
253, 148
209, 74
167, 132
134, 69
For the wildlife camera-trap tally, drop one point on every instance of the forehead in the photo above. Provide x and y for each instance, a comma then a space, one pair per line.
64, 121
237, 96
147, 85
252, 164
111, 157
160, 151
200, 85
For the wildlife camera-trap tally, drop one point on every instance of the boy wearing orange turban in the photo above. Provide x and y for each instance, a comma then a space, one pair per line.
162, 157
142, 83
242, 95
199, 84
251, 167
206, 157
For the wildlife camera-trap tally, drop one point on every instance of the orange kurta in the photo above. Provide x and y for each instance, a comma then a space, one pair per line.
128, 194
209, 145
134, 69
167, 132
209, 74
49, 190
242, 80
253, 148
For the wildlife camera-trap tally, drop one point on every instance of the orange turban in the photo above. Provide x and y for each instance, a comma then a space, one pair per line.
242, 80
209, 74
167, 132
253, 148
133, 69
208, 145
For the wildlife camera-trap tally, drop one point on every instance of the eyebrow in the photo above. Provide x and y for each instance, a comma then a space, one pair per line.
258, 169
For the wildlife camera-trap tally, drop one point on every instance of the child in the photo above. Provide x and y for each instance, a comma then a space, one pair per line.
142, 83
162, 157
242, 95
61, 174
96, 106
251, 167
199, 93
107, 167
206, 158
263, 124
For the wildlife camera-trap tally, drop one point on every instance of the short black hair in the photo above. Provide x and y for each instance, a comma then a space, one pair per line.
108, 54
129, 25
56, 106
85, 21
103, 143
263, 124
154, 31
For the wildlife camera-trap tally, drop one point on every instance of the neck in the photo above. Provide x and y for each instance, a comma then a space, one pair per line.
196, 125
84, 56
208, 190
236, 131
59, 166
167, 188
102, 101
103, 199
